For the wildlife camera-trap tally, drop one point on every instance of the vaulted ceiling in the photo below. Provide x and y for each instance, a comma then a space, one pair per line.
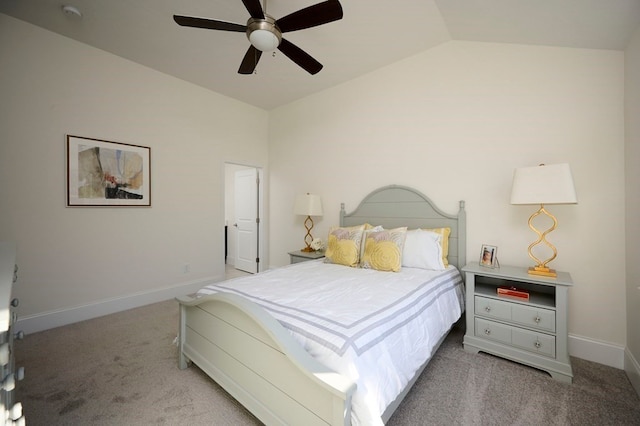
372, 34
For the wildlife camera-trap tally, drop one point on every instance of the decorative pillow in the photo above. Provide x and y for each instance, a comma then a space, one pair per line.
444, 242
422, 249
343, 245
367, 229
383, 249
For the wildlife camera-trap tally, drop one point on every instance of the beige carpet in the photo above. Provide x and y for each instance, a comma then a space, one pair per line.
122, 370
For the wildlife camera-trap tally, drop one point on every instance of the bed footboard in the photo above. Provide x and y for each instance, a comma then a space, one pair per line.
248, 352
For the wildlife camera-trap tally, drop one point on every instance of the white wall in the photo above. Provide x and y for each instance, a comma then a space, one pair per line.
454, 122
85, 258
632, 172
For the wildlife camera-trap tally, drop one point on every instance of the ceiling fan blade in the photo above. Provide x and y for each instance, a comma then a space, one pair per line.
254, 8
250, 61
189, 21
318, 14
300, 57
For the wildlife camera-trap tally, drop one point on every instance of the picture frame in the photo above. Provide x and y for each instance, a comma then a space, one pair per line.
489, 256
105, 173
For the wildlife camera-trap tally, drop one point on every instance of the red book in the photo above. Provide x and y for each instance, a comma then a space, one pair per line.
513, 292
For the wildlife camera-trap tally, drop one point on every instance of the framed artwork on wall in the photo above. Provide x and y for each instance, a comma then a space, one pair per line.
104, 173
489, 256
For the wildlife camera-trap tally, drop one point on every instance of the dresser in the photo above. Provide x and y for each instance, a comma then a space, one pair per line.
531, 332
10, 410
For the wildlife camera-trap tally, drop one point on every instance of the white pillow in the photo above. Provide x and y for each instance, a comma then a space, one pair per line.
422, 249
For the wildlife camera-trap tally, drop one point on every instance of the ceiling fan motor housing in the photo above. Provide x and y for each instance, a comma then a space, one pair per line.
264, 34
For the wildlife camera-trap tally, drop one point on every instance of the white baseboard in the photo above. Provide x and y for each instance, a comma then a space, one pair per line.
597, 351
632, 368
47, 320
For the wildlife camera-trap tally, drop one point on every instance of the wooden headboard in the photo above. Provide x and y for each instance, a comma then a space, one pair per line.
394, 206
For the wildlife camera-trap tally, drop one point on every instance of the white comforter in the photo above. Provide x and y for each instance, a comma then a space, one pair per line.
376, 328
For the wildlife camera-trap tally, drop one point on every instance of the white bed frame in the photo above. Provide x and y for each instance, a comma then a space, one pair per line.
254, 358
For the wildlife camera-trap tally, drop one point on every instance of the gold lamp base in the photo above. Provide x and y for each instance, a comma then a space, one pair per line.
308, 239
546, 272
541, 266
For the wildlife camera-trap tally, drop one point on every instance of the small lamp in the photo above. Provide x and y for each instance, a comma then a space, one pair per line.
544, 184
308, 205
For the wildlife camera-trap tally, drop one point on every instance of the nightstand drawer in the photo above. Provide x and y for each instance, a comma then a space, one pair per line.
528, 316
493, 331
542, 319
542, 344
531, 341
492, 308
304, 256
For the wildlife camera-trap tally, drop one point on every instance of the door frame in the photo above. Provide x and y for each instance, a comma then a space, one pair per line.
228, 183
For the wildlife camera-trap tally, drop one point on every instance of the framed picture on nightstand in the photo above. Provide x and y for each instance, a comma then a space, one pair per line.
489, 256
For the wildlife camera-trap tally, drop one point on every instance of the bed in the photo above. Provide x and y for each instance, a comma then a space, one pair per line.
257, 350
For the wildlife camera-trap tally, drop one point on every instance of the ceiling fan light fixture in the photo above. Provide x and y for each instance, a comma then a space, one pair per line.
264, 40
263, 34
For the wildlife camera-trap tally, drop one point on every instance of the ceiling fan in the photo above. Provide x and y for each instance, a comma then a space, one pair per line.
265, 33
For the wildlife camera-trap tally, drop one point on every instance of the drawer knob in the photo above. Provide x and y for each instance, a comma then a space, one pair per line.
19, 374
19, 335
537, 319
537, 344
487, 331
487, 308
15, 302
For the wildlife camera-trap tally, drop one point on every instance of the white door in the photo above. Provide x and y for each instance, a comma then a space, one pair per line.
247, 219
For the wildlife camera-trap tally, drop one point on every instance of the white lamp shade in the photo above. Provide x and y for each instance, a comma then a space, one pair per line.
544, 184
308, 205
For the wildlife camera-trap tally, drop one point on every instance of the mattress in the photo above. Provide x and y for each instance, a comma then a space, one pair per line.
377, 328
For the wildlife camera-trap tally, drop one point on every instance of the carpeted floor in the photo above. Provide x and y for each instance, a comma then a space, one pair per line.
122, 369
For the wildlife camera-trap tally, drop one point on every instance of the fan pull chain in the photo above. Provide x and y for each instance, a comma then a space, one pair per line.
255, 57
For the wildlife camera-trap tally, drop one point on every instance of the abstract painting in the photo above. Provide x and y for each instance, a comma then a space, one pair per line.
104, 173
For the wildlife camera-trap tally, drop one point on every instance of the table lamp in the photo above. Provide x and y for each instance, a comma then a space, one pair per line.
308, 205
543, 184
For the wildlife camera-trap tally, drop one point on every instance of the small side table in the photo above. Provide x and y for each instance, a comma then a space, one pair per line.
304, 256
532, 332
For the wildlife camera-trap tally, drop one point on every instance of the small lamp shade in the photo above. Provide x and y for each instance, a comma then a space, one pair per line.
308, 205
544, 184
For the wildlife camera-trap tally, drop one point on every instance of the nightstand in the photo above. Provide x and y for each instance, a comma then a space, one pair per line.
532, 332
303, 256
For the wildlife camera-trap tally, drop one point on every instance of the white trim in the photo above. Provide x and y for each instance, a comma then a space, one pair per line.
60, 317
632, 368
606, 353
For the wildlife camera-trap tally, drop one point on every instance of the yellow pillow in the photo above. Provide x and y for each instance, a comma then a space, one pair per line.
343, 245
444, 242
383, 249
